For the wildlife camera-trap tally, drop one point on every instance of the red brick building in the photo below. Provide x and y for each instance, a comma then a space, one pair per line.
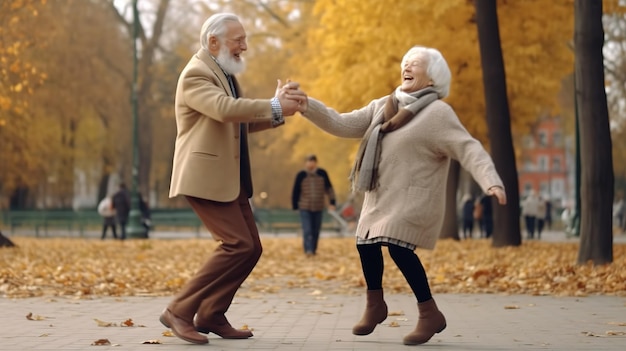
544, 163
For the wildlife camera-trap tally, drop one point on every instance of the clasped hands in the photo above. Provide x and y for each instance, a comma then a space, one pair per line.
291, 98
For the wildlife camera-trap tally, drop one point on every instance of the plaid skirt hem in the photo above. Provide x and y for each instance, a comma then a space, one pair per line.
385, 241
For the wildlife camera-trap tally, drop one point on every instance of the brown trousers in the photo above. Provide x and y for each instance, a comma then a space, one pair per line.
210, 292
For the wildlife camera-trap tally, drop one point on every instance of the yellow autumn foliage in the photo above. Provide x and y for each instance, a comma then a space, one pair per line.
353, 56
18, 78
63, 93
91, 268
57, 116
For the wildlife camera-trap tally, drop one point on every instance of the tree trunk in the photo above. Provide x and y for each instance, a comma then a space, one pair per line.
147, 109
103, 185
19, 198
450, 228
145, 146
596, 234
506, 218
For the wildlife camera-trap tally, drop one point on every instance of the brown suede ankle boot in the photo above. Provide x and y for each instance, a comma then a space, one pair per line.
375, 313
430, 321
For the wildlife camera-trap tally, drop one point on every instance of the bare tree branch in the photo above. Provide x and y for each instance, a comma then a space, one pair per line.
127, 25
273, 14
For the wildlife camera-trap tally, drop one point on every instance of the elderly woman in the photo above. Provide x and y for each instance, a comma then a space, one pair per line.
408, 139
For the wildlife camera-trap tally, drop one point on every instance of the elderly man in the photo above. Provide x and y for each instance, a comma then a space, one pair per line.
212, 170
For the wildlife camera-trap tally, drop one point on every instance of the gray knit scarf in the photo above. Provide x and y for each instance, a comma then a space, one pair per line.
364, 174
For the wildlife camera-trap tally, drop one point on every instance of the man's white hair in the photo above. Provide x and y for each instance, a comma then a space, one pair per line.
437, 68
215, 26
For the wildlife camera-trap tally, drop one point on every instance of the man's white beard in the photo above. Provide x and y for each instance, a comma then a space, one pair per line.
229, 63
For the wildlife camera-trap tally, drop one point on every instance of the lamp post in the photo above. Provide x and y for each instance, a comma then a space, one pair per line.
135, 228
577, 196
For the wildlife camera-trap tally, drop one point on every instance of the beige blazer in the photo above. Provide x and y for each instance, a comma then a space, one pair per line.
207, 151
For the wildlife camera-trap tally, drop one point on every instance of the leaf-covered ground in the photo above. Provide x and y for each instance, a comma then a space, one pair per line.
91, 268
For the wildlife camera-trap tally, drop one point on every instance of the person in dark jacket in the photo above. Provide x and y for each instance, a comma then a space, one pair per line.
106, 210
468, 216
121, 204
144, 209
487, 224
309, 189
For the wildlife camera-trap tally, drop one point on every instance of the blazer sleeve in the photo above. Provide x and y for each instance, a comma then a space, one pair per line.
260, 126
203, 92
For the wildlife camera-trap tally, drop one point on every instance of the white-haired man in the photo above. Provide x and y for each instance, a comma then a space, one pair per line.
212, 170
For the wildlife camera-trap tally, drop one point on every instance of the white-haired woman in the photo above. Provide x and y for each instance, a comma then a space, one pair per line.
408, 139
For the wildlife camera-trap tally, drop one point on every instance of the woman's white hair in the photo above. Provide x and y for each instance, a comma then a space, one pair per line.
215, 26
437, 68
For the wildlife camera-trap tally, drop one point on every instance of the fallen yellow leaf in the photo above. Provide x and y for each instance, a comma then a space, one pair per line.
33, 317
67, 267
104, 324
101, 342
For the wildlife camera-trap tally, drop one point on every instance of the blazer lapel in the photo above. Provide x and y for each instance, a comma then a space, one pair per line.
206, 58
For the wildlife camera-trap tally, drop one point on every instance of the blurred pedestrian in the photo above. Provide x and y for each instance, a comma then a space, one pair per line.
487, 218
106, 210
468, 216
121, 204
541, 216
618, 212
311, 187
144, 209
548, 217
529, 212
478, 216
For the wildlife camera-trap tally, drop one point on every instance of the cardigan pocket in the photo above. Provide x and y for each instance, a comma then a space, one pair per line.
418, 208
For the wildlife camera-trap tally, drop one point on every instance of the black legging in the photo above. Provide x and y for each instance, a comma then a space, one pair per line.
407, 261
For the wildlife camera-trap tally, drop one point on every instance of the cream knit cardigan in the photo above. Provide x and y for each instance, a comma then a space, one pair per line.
409, 202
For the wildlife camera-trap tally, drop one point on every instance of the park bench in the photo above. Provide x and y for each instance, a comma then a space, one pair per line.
274, 221
168, 219
44, 220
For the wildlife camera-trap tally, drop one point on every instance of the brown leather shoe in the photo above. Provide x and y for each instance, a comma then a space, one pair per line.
225, 331
181, 328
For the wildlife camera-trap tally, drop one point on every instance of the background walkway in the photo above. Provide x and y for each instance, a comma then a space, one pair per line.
310, 320
297, 319
548, 235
